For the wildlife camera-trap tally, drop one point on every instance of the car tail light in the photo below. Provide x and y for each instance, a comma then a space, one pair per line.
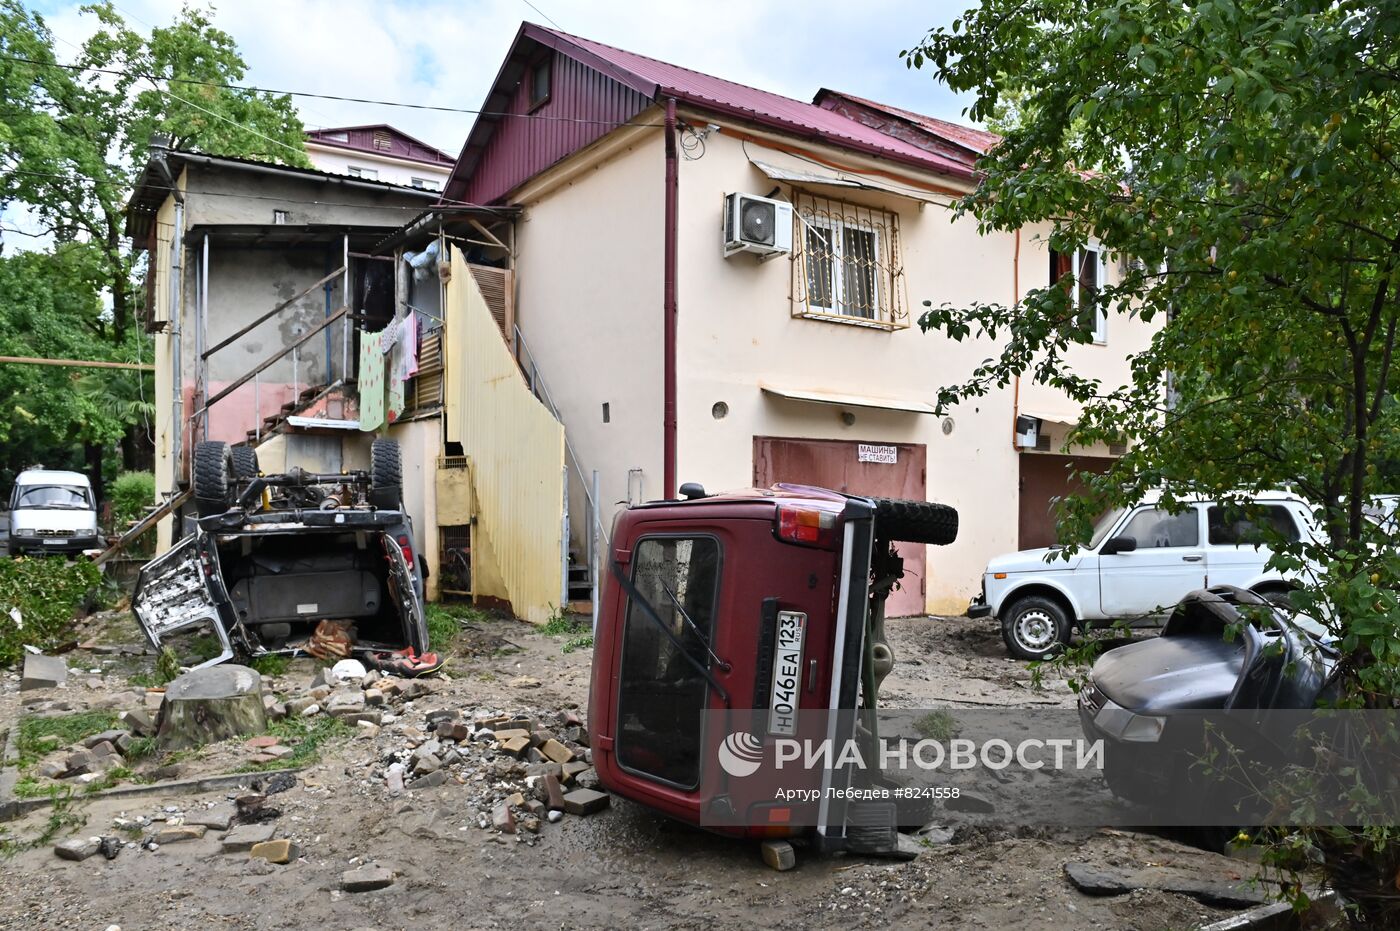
406, 546
807, 526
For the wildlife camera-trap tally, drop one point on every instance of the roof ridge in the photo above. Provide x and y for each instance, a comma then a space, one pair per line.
670, 64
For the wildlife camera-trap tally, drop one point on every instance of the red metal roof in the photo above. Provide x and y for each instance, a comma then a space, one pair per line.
978, 140
703, 90
361, 139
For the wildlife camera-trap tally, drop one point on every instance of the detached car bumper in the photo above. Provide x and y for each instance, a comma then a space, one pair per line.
978, 607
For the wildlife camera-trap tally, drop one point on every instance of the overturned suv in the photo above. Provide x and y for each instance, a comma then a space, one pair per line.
269, 557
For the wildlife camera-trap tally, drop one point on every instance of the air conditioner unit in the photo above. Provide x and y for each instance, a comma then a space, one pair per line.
756, 224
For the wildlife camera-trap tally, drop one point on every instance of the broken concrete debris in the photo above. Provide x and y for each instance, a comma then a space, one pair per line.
366, 879
43, 672
78, 849
275, 851
211, 704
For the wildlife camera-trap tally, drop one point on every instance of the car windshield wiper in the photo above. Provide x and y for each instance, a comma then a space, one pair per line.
705, 641
648, 609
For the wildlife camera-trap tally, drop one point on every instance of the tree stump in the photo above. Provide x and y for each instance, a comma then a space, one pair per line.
211, 704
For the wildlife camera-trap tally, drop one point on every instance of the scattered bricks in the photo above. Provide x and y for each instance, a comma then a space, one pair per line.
588, 779
520, 722
390, 687
77, 763
345, 703
540, 769
778, 854
393, 778
261, 758
571, 719
43, 672
586, 801
366, 879
274, 710
374, 697
298, 705
510, 733
422, 765
531, 824
219, 817
438, 716
263, 742
310, 710
430, 781
102, 750
524, 682
426, 749
414, 689
556, 751
278, 752
275, 851
138, 722
177, 833
368, 730
534, 806
573, 768
115, 738
515, 746
515, 799
78, 849
453, 730
451, 757
554, 795
502, 820
363, 717
320, 693
51, 770
533, 755
242, 838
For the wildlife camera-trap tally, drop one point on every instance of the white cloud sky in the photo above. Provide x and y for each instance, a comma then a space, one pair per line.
447, 53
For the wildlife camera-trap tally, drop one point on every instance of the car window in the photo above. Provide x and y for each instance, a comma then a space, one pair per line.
1154, 527
1250, 526
1104, 525
52, 496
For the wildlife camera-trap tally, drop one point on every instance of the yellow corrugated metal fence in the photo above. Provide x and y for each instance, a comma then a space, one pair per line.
516, 451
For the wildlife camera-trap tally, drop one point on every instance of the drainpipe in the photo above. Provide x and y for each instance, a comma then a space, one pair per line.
1016, 300
669, 302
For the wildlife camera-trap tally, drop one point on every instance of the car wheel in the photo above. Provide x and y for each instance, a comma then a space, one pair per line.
1276, 596
915, 521
245, 463
213, 474
1035, 627
385, 475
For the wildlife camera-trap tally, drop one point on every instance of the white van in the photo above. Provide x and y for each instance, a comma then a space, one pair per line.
1139, 564
52, 512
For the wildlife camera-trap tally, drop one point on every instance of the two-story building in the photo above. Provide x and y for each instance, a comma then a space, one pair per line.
689, 335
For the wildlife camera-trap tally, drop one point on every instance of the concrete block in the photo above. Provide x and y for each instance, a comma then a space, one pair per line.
366, 879
43, 672
778, 854
586, 801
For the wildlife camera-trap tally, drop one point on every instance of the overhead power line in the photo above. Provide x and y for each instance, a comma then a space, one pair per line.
336, 97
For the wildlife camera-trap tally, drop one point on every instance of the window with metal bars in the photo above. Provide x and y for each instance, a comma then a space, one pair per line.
846, 263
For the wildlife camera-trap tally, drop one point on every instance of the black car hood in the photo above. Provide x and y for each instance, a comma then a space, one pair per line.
1171, 673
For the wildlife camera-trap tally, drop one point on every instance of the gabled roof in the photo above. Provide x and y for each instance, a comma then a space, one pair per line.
659, 79
977, 141
361, 139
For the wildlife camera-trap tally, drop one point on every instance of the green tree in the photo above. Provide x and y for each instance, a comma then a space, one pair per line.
1239, 160
74, 135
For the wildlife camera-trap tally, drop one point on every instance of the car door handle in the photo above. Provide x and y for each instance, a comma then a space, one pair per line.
1192, 558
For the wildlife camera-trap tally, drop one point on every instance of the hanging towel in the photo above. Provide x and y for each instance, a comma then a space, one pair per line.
371, 383
408, 347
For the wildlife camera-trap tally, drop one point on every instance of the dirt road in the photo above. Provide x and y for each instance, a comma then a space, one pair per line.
624, 867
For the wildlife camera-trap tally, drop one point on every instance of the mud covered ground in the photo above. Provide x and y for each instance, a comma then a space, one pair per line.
624, 867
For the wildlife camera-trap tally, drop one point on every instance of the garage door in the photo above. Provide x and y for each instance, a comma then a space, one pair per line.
887, 470
1045, 478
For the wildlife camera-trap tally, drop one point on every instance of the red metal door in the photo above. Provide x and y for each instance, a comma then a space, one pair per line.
843, 466
1044, 479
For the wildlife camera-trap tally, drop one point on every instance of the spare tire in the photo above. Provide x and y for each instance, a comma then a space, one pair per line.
213, 478
245, 463
385, 475
915, 521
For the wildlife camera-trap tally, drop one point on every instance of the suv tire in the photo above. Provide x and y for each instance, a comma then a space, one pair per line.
385, 475
915, 521
245, 463
213, 474
1035, 627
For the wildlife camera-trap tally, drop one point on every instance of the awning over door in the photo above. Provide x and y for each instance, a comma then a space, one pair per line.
847, 400
1067, 417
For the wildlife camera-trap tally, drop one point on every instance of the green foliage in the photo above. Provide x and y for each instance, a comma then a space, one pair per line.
47, 592
167, 666
71, 140
1238, 164
582, 642
936, 725
131, 494
140, 748
271, 664
307, 737
68, 728
561, 624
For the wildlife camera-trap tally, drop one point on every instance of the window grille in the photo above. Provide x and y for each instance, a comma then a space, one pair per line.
847, 265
